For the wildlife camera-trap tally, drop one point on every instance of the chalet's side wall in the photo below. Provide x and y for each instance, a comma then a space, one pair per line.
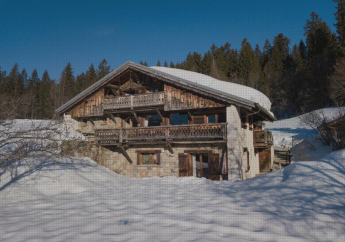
239, 139
113, 159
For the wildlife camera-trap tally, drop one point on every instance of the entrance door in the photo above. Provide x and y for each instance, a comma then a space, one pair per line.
185, 165
265, 160
213, 166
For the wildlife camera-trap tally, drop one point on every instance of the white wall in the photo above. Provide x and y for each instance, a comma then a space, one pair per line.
238, 139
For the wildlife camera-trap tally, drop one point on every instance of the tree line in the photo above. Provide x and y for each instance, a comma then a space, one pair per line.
298, 78
34, 97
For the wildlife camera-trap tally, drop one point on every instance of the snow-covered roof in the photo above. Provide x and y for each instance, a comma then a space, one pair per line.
238, 90
232, 93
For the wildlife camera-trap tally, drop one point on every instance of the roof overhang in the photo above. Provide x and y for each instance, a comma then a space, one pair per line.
206, 91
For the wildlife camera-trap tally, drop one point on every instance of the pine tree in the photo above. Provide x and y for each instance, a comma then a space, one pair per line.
103, 69
90, 77
248, 62
206, 63
80, 84
10, 85
159, 63
321, 56
172, 64
67, 84
2, 80
45, 99
165, 64
213, 50
340, 24
258, 52
145, 64
33, 94
141, 63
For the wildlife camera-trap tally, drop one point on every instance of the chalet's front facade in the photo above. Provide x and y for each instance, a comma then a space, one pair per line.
146, 122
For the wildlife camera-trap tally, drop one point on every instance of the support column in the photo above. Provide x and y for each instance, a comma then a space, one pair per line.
233, 144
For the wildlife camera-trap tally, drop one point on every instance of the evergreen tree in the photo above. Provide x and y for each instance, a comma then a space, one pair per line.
2, 80
103, 69
80, 83
213, 50
321, 56
193, 62
159, 63
141, 63
90, 77
11, 83
33, 94
266, 53
206, 63
172, 64
165, 64
248, 62
340, 24
258, 52
145, 64
303, 50
45, 98
67, 82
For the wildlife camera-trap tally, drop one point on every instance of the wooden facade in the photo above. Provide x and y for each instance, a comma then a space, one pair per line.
135, 110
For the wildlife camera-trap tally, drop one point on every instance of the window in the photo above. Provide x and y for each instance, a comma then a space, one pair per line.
148, 157
154, 120
178, 119
211, 119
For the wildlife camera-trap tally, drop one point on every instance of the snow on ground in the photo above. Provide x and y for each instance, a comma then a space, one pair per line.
77, 200
289, 132
228, 87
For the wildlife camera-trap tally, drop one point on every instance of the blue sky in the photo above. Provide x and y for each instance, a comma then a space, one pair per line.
49, 34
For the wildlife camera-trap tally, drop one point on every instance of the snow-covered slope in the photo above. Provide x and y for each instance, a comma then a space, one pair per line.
289, 132
229, 87
77, 200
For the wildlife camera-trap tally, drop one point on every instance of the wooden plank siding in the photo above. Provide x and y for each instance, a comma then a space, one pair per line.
179, 99
90, 107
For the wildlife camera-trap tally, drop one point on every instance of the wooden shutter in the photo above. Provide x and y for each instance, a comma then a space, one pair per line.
182, 164
213, 166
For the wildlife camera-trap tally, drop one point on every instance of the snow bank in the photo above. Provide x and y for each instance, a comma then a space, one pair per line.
77, 200
229, 87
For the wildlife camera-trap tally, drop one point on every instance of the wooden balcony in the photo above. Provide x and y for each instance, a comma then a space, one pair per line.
161, 134
263, 138
153, 99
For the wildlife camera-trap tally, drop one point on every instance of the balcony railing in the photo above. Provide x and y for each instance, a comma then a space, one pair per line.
263, 137
180, 133
134, 101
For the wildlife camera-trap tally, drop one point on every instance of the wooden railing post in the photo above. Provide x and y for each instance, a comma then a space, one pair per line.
265, 135
120, 136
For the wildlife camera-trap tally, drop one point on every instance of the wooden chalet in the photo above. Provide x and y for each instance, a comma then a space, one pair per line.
145, 122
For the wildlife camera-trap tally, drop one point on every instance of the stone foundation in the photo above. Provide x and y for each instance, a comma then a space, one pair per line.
112, 158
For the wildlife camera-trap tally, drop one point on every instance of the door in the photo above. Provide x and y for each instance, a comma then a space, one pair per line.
265, 160
185, 165
213, 166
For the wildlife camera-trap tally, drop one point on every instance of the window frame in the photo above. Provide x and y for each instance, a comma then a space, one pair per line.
151, 153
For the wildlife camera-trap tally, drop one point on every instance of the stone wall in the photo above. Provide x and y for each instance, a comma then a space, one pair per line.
112, 158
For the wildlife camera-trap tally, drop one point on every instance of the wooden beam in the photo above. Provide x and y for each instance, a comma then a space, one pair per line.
169, 147
125, 154
160, 115
113, 86
112, 117
190, 117
91, 121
